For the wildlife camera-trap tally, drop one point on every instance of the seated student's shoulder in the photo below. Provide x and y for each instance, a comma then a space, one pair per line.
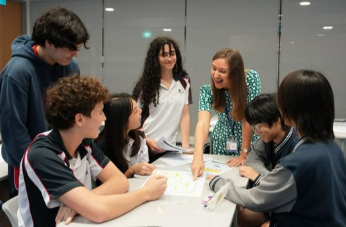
296, 158
90, 145
43, 151
91, 148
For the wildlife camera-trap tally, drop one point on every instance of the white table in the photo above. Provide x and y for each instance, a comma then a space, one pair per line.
3, 167
173, 211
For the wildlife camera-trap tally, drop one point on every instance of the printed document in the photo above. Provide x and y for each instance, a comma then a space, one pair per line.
162, 143
181, 183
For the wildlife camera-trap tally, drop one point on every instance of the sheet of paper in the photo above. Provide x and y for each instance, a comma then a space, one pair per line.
213, 168
162, 143
180, 183
1, 159
175, 159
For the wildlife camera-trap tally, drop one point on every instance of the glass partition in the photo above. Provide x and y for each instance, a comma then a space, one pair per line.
306, 44
246, 25
128, 31
120, 38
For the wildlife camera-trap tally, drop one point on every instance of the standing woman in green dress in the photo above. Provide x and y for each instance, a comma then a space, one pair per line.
231, 88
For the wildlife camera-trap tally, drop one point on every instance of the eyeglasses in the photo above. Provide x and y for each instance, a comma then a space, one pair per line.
257, 128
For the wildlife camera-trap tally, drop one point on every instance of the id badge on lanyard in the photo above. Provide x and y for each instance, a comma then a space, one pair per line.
231, 144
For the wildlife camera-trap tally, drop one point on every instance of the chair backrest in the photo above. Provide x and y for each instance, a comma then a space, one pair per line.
10, 208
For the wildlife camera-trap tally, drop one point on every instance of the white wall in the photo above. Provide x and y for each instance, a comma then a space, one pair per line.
202, 27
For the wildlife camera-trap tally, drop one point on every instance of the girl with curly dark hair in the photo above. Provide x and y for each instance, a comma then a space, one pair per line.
121, 140
164, 93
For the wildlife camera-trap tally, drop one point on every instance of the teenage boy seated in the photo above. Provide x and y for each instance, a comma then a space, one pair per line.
307, 187
276, 141
57, 168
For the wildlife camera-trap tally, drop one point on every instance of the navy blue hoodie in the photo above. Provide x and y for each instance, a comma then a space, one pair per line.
23, 84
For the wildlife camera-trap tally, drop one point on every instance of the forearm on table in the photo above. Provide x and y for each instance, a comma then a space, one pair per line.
113, 181
129, 173
257, 165
112, 186
102, 208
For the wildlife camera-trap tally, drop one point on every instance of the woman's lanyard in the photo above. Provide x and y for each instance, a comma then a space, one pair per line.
230, 122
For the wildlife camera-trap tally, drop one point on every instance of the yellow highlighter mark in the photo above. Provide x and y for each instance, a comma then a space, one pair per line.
212, 170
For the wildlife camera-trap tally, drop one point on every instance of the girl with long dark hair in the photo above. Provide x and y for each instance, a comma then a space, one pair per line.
121, 140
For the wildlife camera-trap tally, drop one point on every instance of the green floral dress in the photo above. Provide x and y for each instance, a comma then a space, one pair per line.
222, 129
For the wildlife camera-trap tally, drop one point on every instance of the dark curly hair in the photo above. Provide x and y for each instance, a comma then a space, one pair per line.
150, 80
72, 95
61, 27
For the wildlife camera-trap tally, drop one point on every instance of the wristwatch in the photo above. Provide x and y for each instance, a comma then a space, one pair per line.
245, 150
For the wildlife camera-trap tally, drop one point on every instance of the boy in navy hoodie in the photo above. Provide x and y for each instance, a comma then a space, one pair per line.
37, 62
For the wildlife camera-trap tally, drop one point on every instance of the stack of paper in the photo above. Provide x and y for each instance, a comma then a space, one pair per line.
162, 143
175, 159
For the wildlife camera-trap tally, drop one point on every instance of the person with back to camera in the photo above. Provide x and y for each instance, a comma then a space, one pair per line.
276, 141
164, 94
57, 169
230, 90
121, 140
307, 187
37, 61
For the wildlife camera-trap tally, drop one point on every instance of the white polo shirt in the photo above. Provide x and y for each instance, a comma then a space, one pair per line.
142, 155
164, 119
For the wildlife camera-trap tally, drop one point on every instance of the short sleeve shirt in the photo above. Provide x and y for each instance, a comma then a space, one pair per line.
142, 155
222, 130
48, 171
164, 119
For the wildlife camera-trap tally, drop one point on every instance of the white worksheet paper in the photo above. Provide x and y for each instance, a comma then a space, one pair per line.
175, 159
213, 168
181, 183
